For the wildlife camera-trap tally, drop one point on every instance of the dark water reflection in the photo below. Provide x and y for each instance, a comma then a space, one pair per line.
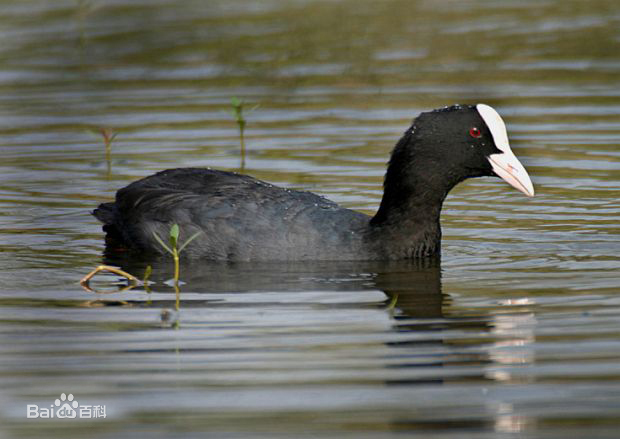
515, 332
413, 288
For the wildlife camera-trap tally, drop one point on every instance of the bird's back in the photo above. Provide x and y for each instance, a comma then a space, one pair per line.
238, 217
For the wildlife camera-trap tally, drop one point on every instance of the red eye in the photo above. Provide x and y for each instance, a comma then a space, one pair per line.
475, 132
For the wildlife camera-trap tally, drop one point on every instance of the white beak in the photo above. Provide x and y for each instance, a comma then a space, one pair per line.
505, 164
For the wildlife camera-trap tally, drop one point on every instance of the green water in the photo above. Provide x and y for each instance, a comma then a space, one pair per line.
514, 333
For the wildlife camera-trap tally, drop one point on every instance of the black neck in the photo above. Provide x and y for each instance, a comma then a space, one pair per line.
408, 218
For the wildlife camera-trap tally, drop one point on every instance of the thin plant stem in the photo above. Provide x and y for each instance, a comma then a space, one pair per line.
177, 290
242, 141
147, 274
175, 251
145, 282
175, 256
108, 137
238, 107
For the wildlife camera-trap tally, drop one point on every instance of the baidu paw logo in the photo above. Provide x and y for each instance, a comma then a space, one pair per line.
66, 406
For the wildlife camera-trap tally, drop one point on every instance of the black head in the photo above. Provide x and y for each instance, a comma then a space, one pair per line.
446, 146
453, 141
458, 142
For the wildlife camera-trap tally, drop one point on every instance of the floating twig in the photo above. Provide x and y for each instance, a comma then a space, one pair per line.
133, 281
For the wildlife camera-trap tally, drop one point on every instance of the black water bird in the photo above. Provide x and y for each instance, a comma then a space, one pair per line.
242, 218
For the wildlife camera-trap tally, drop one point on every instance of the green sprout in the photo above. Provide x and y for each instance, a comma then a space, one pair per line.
175, 251
108, 137
147, 274
238, 106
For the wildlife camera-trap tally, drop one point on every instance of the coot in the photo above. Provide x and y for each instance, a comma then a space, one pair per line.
242, 218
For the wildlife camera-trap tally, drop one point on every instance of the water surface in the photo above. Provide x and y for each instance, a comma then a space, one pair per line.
514, 330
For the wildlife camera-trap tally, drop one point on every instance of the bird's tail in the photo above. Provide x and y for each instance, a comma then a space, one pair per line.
107, 213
